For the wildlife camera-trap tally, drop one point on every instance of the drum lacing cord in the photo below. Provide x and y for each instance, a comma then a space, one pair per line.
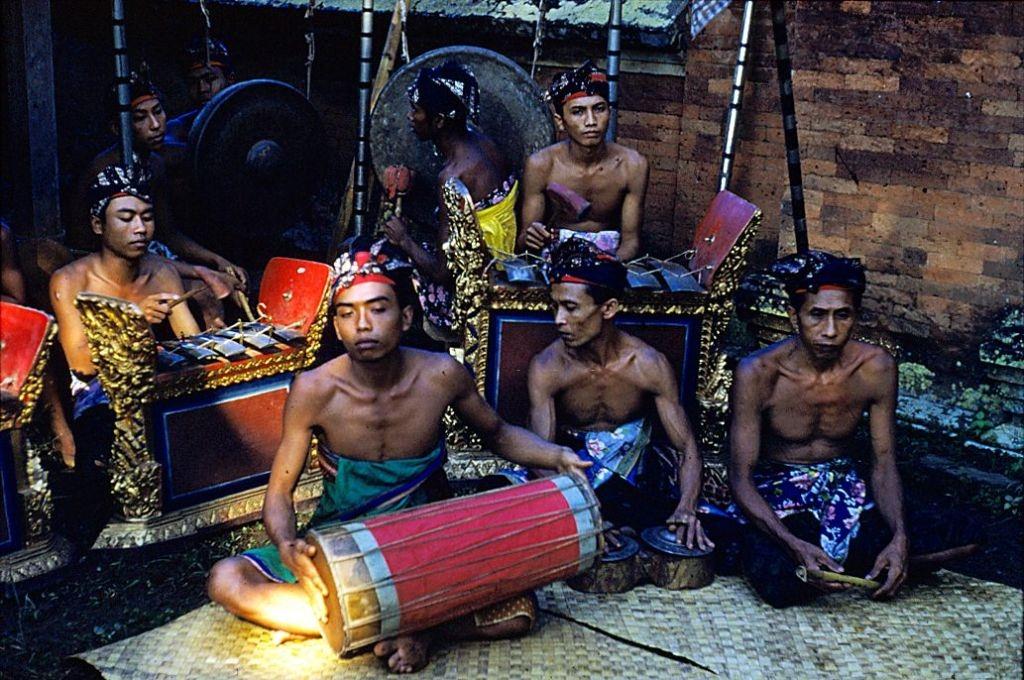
664, 653
426, 601
552, 514
536, 521
439, 508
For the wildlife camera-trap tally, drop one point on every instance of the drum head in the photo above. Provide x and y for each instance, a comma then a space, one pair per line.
664, 541
628, 548
513, 113
257, 154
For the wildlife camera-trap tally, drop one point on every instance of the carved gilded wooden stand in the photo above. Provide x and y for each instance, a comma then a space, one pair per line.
27, 547
193, 447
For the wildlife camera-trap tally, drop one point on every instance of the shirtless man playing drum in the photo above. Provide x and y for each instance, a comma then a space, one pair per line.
795, 408
612, 177
595, 389
377, 412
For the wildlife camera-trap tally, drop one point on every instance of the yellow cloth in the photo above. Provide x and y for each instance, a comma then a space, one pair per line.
498, 223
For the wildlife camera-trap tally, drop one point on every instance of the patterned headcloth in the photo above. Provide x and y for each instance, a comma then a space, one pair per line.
576, 260
817, 270
368, 261
585, 81
140, 88
195, 55
450, 90
114, 181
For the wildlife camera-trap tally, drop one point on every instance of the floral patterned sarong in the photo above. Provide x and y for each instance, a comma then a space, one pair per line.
832, 491
613, 452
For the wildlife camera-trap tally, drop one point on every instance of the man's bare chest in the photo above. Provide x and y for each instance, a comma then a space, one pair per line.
378, 426
600, 394
814, 409
604, 190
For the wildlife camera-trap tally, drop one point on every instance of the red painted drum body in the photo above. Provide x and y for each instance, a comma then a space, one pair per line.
410, 570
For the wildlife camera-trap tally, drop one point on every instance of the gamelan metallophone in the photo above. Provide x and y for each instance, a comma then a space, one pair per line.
243, 340
681, 306
199, 418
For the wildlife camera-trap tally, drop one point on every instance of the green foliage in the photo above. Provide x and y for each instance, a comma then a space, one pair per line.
915, 379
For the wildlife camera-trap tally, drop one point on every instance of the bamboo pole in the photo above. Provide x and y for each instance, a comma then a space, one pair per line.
122, 78
363, 141
614, 51
392, 43
739, 78
784, 68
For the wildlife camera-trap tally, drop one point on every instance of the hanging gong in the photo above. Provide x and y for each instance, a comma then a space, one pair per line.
513, 113
257, 154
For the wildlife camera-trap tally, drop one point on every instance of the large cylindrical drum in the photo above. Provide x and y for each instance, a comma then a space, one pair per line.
410, 570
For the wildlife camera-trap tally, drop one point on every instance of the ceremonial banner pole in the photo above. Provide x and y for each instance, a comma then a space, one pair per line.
362, 150
784, 68
122, 79
614, 40
739, 79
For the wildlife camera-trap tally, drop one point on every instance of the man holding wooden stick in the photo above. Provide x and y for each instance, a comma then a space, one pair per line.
121, 212
796, 406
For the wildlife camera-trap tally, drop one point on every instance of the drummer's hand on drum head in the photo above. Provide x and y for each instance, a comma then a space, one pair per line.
689, 530
297, 556
571, 464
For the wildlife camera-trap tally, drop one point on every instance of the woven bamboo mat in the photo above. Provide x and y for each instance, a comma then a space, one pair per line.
950, 627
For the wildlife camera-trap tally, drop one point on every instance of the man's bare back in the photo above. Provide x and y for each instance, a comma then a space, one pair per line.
596, 397
605, 184
807, 416
364, 422
478, 164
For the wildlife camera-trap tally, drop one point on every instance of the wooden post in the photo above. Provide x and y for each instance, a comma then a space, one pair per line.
784, 68
30, 130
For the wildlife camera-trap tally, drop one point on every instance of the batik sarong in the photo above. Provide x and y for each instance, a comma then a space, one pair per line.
612, 452
357, 488
607, 240
496, 215
832, 491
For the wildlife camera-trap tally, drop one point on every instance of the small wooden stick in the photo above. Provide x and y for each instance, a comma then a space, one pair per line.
805, 574
190, 294
243, 302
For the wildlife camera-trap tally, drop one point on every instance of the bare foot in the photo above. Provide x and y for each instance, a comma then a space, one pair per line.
404, 654
279, 637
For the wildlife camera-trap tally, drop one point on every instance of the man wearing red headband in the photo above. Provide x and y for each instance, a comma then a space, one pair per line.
121, 215
208, 70
796, 406
378, 415
597, 388
196, 264
612, 177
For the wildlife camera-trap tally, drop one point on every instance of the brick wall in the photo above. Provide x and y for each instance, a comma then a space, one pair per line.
912, 138
901, 166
